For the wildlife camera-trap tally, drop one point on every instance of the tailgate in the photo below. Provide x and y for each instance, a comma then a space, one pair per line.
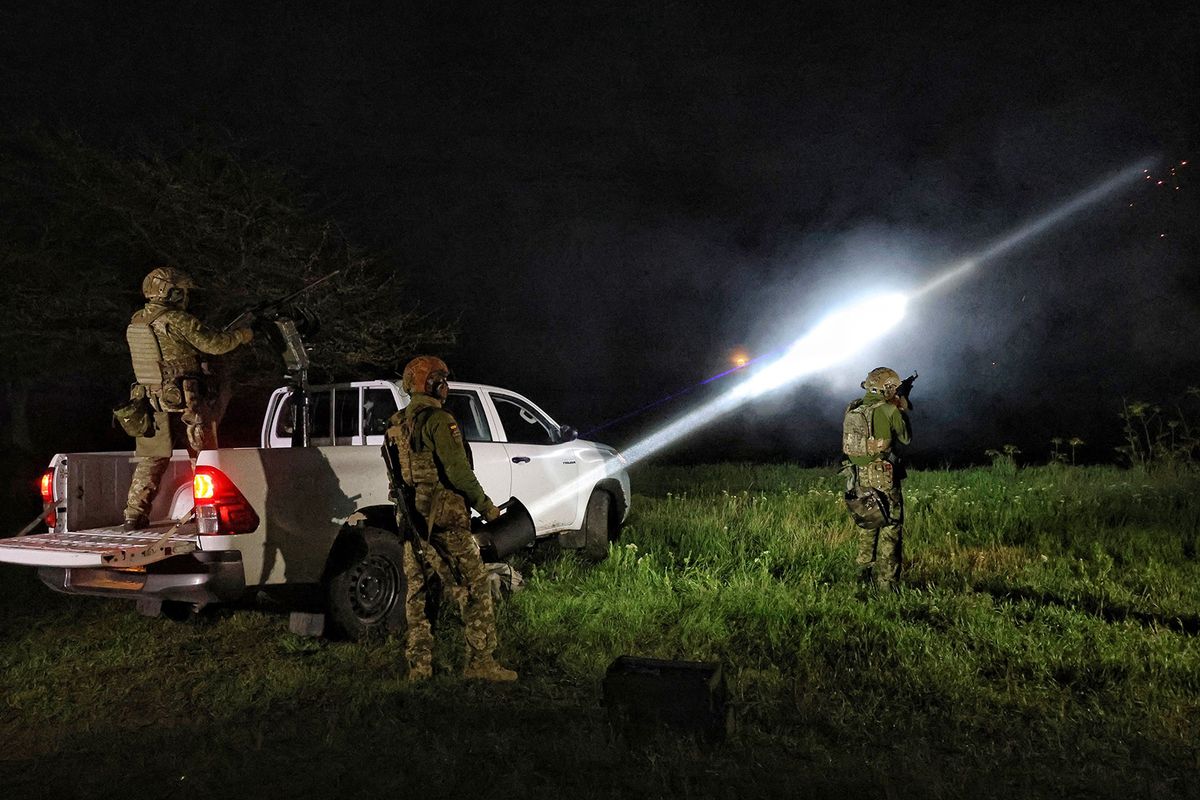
101, 547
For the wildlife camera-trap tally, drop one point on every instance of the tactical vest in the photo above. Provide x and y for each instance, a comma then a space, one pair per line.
858, 425
172, 373
417, 467
144, 351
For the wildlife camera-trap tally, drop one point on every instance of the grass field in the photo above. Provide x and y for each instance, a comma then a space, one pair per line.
1044, 644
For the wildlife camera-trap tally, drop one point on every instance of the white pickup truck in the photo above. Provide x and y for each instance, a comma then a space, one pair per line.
289, 521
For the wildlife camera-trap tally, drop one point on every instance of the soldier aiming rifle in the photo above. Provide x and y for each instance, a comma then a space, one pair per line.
874, 428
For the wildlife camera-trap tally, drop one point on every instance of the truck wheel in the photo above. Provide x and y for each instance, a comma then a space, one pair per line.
365, 589
595, 527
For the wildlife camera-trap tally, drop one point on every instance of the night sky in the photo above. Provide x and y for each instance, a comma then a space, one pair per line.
612, 200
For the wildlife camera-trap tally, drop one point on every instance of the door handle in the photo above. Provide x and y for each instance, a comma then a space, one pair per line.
520, 459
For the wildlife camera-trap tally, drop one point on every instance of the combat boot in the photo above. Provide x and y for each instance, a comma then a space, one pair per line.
136, 523
486, 669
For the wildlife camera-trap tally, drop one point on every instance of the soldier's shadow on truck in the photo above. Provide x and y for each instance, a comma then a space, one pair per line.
306, 508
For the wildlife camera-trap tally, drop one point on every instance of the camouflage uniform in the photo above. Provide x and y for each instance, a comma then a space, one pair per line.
880, 551
180, 403
444, 485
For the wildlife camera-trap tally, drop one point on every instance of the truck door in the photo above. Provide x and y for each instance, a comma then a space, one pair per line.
492, 466
543, 469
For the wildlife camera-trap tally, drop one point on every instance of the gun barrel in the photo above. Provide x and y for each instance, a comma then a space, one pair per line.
247, 316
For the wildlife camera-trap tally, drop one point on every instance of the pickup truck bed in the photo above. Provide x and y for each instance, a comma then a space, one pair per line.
99, 547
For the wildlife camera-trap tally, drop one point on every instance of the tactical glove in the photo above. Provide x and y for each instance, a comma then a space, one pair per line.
490, 513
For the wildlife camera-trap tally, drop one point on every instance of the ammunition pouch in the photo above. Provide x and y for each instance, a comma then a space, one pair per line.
868, 507
879, 474
448, 509
135, 417
418, 479
866, 498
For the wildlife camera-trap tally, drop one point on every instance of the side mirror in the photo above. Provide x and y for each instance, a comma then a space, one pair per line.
567, 434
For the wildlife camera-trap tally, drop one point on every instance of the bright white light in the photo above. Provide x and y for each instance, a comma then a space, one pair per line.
842, 334
838, 337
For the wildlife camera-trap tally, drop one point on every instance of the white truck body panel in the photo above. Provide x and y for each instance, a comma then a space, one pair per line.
305, 497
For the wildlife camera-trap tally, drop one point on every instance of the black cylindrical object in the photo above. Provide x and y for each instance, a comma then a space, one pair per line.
506, 535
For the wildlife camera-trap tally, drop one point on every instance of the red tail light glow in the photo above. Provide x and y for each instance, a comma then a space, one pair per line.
202, 487
220, 507
47, 489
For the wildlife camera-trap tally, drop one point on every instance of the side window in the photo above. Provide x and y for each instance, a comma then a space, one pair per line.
318, 409
522, 424
320, 418
345, 415
378, 406
468, 411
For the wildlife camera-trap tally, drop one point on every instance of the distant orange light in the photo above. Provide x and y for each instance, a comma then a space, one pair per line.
740, 359
202, 487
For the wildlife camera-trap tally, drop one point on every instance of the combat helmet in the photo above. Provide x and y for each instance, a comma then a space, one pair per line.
423, 374
167, 285
882, 380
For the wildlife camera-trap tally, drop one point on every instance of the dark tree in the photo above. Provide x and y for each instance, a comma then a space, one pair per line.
81, 227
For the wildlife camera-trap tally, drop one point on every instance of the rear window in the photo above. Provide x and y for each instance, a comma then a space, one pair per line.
318, 409
378, 406
468, 412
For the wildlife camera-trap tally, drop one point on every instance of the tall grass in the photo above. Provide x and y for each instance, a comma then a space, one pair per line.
1047, 599
1043, 644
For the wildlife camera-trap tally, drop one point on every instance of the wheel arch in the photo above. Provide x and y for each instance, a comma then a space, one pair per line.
619, 505
347, 544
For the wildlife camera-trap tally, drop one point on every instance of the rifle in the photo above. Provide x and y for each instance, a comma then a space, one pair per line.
410, 523
269, 309
906, 385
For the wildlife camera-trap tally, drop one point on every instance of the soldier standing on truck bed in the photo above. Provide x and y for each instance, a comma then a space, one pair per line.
872, 429
167, 346
438, 484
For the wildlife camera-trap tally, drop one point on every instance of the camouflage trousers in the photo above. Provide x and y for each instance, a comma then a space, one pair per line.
881, 551
452, 555
172, 431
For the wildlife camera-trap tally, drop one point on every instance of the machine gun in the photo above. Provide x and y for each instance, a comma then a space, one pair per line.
272, 309
287, 331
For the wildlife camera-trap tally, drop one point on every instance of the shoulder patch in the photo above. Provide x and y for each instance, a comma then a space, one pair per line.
455, 432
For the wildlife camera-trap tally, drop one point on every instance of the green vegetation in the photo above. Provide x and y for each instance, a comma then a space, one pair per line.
1044, 644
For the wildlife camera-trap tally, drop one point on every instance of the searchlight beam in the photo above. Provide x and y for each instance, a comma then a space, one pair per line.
841, 335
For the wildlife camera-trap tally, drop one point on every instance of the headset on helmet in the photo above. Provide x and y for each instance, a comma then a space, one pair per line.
882, 380
425, 374
167, 285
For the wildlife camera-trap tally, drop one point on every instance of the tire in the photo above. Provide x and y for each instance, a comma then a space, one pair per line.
365, 588
596, 534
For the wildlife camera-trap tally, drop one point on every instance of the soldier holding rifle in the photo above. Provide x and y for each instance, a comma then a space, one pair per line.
873, 429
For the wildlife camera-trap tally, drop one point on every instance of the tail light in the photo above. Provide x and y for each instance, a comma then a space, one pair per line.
220, 507
47, 487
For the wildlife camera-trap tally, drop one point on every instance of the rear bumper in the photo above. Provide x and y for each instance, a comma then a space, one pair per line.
199, 577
